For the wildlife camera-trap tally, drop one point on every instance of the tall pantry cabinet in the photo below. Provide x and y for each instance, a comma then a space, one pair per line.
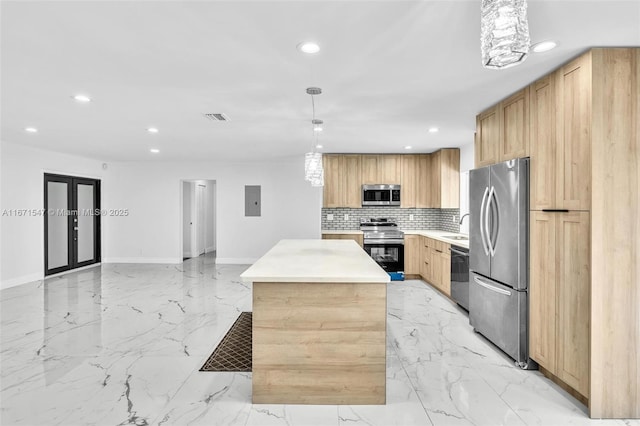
584, 292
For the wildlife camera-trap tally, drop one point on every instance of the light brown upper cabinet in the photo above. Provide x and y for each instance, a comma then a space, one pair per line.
370, 169
342, 177
573, 122
334, 182
543, 164
514, 126
560, 131
423, 184
381, 169
487, 137
409, 178
445, 179
502, 131
390, 169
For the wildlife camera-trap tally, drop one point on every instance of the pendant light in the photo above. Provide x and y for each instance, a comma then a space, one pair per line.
313, 170
504, 35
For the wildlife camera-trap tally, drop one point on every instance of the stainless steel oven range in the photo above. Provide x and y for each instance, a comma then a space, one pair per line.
384, 242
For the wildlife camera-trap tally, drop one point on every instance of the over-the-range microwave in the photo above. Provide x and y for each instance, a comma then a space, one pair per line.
380, 195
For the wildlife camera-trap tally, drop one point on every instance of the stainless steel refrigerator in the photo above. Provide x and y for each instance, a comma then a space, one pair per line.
498, 256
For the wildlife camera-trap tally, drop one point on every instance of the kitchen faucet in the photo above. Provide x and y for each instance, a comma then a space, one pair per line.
462, 217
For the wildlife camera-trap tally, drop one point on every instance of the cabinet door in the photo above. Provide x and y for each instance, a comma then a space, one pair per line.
370, 170
487, 137
352, 172
514, 126
425, 257
412, 254
333, 180
449, 178
390, 167
574, 308
573, 185
423, 184
436, 268
542, 290
445, 272
435, 181
408, 196
543, 163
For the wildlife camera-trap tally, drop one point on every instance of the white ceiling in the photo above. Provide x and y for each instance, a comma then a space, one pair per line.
389, 70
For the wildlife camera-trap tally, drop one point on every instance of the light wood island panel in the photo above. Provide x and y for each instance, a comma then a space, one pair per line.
319, 343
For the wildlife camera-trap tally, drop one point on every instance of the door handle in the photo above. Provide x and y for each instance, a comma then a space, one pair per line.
492, 198
482, 232
486, 222
491, 287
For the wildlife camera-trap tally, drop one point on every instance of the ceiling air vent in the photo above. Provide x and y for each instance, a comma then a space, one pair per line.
217, 117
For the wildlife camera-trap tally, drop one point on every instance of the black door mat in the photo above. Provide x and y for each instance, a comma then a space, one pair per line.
234, 351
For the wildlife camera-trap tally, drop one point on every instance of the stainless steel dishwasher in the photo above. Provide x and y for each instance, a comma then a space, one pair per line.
460, 276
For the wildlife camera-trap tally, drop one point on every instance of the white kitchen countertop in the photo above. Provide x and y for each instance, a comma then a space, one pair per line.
313, 261
440, 236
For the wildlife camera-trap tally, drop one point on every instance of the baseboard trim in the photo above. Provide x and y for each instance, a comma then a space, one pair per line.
235, 260
170, 260
25, 279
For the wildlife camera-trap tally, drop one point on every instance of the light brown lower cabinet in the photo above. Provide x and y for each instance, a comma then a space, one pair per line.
435, 266
359, 238
412, 254
560, 295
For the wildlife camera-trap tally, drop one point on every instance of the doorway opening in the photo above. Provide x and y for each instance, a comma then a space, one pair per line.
198, 218
71, 222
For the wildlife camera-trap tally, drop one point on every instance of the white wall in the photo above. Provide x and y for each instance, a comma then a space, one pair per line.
466, 164
186, 219
211, 215
153, 230
22, 187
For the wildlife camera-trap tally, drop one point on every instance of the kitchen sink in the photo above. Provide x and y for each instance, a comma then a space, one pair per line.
457, 237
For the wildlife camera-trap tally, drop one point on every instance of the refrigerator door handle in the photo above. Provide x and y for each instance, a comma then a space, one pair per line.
486, 222
495, 222
482, 221
491, 287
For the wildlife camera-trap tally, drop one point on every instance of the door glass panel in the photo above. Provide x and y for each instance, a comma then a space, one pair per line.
85, 223
58, 226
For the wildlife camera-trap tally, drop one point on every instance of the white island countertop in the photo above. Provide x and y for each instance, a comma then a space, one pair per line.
332, 261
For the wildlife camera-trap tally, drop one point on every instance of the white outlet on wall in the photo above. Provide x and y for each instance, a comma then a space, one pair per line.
410, 217
346, 216
329, 216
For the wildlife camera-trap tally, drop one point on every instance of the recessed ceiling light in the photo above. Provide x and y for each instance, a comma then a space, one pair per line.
308, 47
82, 98
152, 130
154, 150
433, 130
407, 147
31, 129
319, 146
544, 46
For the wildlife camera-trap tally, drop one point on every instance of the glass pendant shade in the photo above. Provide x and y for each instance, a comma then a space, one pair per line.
504, 33
313, 171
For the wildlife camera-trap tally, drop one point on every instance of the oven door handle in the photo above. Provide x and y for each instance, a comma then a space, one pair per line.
461, 253
384, 241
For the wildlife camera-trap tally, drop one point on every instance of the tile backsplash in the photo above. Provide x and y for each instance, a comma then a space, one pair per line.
440, 219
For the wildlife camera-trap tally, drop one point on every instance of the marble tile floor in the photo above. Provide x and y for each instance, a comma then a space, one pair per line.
122, 344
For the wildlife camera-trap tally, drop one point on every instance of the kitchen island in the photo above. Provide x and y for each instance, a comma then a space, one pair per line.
319, 324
